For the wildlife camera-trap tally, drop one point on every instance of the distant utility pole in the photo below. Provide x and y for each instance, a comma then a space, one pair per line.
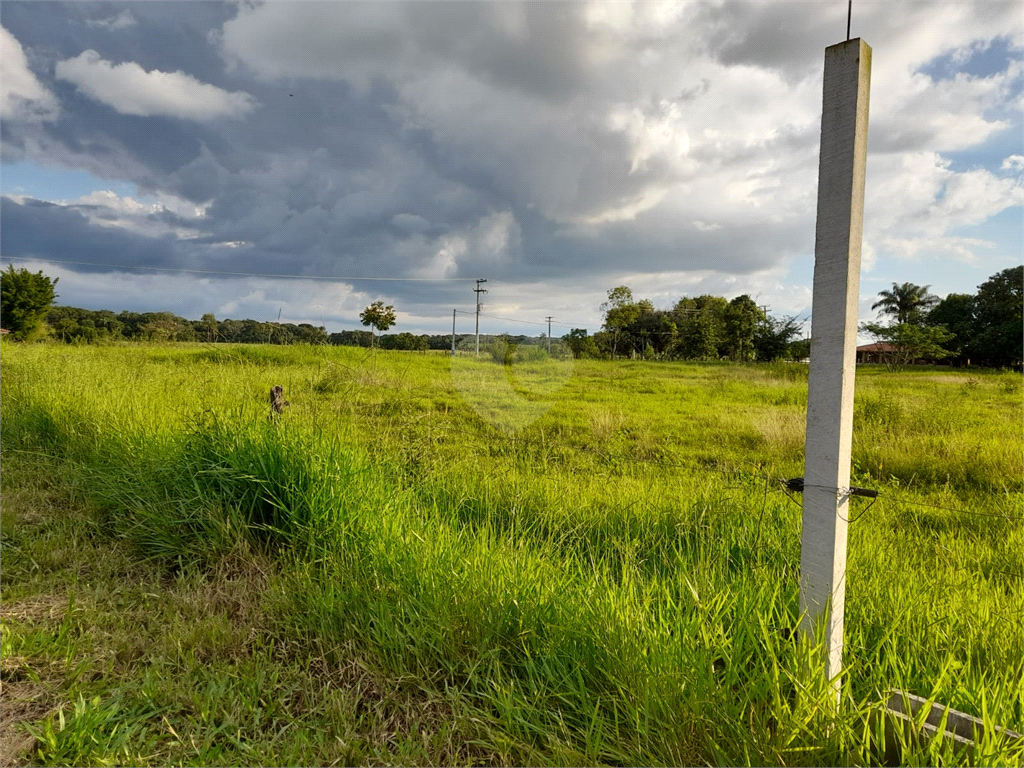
478, 290
837, 245
549, 335
453, 331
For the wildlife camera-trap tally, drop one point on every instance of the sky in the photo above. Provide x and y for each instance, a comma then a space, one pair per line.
556, 149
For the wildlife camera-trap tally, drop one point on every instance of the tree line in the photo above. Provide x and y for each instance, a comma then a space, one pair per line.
82, 326
985, 328
702, 328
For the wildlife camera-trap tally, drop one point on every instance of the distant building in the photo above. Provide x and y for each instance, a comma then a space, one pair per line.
874, 353
883, 352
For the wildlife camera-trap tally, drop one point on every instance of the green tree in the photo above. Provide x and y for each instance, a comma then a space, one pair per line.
580, 343
620, 311
701, 327
25, 299
906, 303
353, 338
909, 343
230, 330
702, 337
773, 337
404, 341
800, 349
741, 320
74, 325
378, 316
1000, 318
654, 331
208, 326
957, 314
165, 326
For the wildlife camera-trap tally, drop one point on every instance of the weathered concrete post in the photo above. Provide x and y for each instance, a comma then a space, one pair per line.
837, 242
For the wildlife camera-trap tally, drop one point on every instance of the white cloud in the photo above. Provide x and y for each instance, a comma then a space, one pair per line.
964, 249
1013, 163
22, 97
915, 204
108, 209
703, 226
131, 90
943, 115
493, 239
123, 20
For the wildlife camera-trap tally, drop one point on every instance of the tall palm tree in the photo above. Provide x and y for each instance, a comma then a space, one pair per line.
906, 302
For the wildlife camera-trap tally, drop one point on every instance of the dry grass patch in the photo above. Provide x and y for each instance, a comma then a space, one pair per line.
35, 609
605, 424
783, 431
21, 702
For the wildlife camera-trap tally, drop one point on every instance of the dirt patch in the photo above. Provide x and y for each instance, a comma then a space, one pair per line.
20, 703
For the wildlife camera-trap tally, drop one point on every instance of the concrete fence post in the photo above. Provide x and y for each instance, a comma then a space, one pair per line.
837, 245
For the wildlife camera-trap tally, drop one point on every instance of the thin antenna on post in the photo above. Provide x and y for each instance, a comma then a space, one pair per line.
478, 290
849, 16
549, 336
453, 332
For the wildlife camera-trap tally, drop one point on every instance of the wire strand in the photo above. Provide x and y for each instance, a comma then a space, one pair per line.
246, 274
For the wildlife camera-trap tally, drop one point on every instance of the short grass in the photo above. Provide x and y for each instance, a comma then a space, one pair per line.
611, 578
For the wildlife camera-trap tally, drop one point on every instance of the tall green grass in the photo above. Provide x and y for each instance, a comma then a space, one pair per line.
616, 583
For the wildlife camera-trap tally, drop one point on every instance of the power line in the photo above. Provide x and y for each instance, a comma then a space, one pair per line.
515, 320
512, 319
245, 274
527, 322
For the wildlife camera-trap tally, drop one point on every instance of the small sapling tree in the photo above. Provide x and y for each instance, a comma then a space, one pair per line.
378, 316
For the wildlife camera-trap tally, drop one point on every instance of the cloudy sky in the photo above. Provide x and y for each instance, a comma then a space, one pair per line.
556, 149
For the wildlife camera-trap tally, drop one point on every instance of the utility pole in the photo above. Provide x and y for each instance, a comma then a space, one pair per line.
478, 290
837, 246
549, 336
453, 332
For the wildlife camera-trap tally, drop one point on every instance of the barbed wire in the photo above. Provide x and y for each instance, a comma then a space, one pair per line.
782, 484
904, 500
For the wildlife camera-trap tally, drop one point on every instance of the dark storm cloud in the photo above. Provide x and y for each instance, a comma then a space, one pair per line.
40, 229
784, 36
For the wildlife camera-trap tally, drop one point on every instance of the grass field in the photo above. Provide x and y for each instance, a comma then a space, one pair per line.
425, 564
